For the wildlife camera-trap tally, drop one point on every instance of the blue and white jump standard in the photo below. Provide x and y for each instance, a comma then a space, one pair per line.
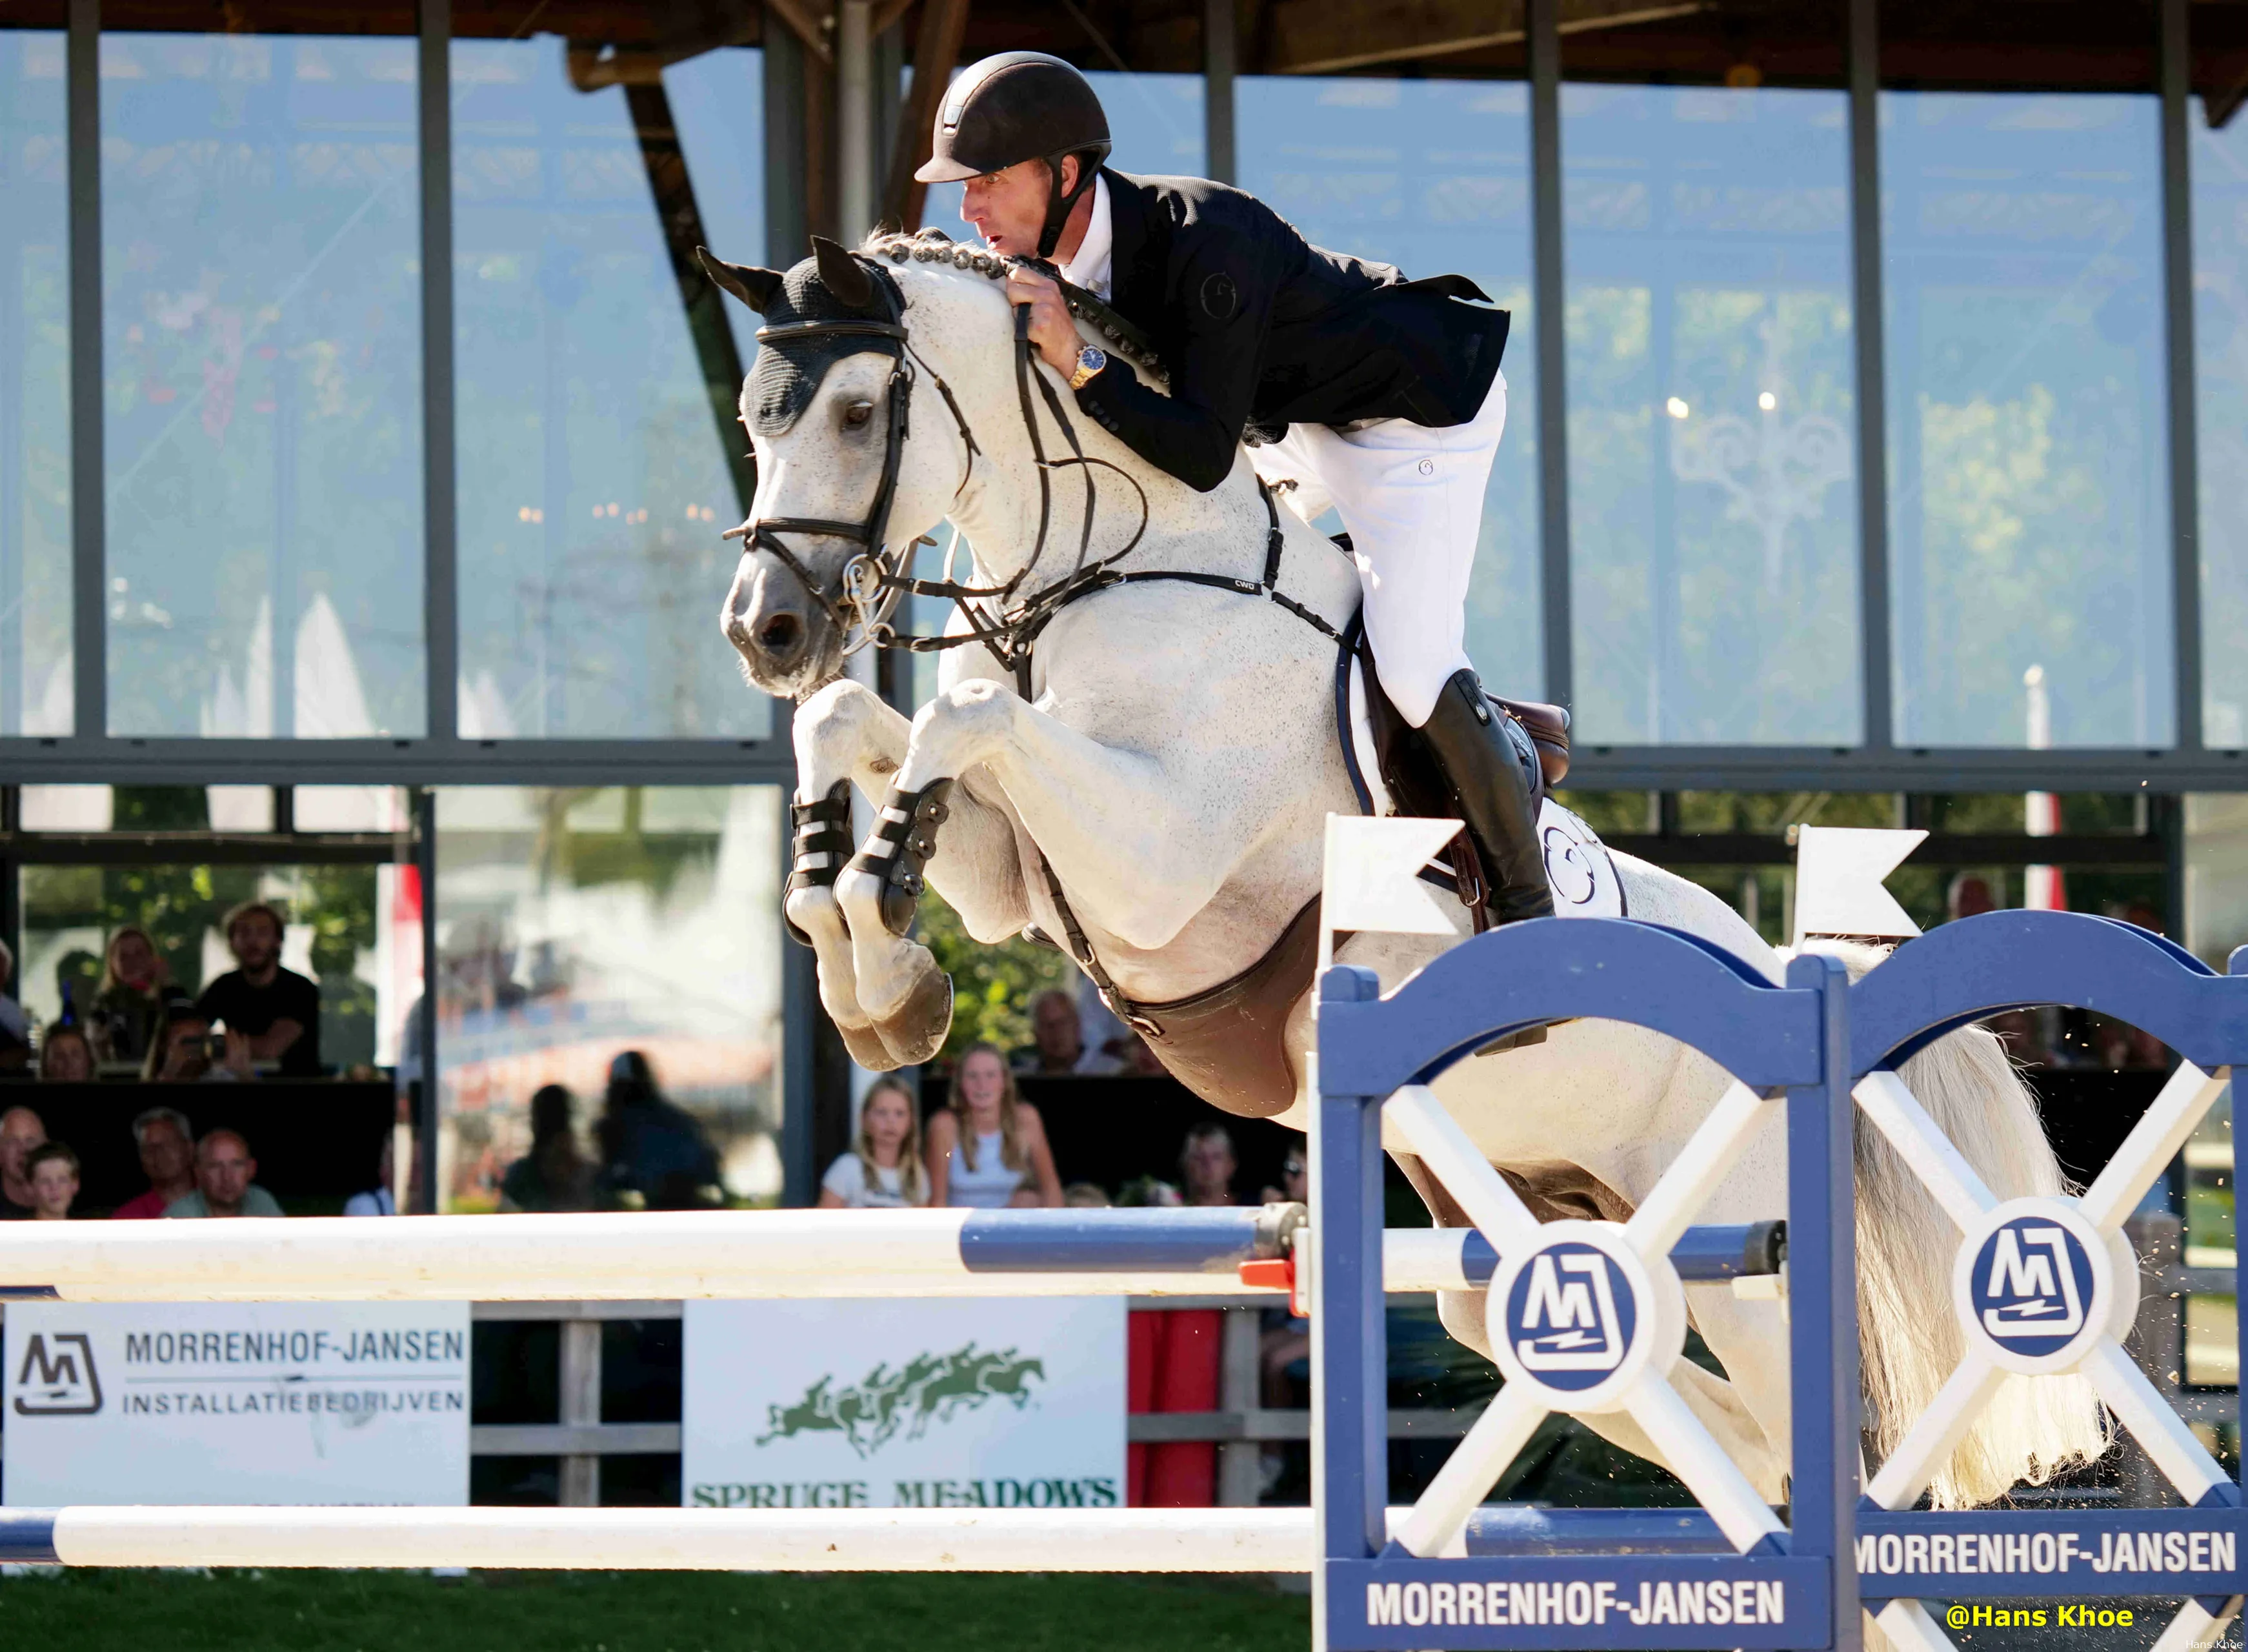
2045, 1286
1586, 1316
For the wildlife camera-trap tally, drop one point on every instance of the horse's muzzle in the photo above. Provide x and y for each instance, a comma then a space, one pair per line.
775, 630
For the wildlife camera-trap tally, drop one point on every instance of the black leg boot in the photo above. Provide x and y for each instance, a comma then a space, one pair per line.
1492, 794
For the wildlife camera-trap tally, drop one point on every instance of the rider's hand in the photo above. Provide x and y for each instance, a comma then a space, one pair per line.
1052, 329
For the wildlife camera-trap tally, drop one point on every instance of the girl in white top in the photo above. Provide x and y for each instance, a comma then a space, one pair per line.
883, 1169
999, 1157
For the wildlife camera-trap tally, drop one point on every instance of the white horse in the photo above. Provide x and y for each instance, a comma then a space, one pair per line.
1173, 764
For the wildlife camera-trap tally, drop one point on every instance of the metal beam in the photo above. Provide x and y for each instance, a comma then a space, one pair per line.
1973, 769
425, 1111
1866, 320
1311, 36
2177, 293
1220, 63
440, 631
936, 49
185, 762
1941, 849
89, 483
203, 848
1549, 302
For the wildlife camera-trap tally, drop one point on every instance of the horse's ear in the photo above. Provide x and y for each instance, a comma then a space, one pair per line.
753, 286
843, 275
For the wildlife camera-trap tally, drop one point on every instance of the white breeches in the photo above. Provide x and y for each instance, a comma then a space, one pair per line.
1411, 498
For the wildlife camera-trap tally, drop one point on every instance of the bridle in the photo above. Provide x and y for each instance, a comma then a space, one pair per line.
872, 581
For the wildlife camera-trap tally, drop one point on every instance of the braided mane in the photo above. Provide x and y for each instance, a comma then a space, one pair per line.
933, 246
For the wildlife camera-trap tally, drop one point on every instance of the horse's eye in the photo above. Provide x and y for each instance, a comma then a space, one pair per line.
857, 414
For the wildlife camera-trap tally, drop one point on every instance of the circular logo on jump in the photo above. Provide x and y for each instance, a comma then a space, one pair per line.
2033, 1285
1571, 1316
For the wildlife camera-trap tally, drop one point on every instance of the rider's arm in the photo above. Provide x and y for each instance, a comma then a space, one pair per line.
1221, 299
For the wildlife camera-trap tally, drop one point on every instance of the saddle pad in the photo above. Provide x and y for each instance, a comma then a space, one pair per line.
1579, 866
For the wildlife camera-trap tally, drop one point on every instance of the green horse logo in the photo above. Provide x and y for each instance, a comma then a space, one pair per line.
930, 1387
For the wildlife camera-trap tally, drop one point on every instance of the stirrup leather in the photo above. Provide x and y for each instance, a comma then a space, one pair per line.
823, 842
903, 840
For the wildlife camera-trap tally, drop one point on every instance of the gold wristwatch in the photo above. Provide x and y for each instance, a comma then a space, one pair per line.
1090, 360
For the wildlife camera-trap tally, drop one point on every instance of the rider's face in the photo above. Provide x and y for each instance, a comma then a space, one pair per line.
1008, 207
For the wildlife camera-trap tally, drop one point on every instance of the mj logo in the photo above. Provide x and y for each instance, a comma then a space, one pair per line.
1569, 1315
58, 1378
2033, 1285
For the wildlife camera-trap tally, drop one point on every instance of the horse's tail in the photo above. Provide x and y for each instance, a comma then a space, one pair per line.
1909, 1339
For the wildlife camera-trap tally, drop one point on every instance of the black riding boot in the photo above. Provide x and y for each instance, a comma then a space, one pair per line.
1492, 794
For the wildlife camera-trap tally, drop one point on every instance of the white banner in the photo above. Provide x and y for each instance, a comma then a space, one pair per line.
905, 1404
275, 1402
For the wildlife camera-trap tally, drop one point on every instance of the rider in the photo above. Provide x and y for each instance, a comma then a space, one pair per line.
1388, 391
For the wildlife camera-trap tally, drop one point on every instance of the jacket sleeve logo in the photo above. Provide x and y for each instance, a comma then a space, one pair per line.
1220, 297
58, 1378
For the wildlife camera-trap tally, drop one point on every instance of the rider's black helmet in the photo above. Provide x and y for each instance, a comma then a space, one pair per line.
1017, 107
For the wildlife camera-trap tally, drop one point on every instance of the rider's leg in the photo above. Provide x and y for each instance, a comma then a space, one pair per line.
1412, 498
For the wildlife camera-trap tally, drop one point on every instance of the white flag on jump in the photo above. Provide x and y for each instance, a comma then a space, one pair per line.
1373, 879
1838, 881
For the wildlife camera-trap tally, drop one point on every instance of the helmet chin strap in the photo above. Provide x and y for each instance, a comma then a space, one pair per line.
1060, 205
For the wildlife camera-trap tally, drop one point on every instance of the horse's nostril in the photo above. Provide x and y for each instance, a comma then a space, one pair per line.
780, 632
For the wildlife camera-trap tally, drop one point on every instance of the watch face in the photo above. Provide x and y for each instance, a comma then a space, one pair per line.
1092, 359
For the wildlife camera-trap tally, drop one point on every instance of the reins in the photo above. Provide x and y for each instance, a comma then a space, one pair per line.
872, 581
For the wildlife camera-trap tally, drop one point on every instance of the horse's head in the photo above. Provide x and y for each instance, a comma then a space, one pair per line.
825, 406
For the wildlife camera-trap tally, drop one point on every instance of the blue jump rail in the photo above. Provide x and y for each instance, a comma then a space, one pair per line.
1626, 1579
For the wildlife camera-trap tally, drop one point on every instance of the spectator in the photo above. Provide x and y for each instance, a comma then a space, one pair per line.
226, 1181
167, 1141
1970, 897
128, 1007
278, 1009
883, 1169
65, 1056
183, 1054
21, 1130
999, 1156
654, 1155
553, 1175
1085, 1195
1295, 1180
15, 1033
53, 1170
379, 1200
1206, 1165
1058, 1040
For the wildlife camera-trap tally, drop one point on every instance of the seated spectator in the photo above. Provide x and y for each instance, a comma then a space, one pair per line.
167, 1141
21, 1130
277, 1009
989, 1150
128, 1008
64, 1055
226, 1181
1206, 1165
553, 1175
1059, 1041
15, 1033
53, 1170
184, 1053
883, 1169
1085, 1195
1295, 1180
379, 1200
656, 1155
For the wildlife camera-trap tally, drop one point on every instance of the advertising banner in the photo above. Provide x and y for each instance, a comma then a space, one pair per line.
999, 1404
274, 1402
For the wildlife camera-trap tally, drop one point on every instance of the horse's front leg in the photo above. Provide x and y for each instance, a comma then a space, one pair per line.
1141, 852
846, 733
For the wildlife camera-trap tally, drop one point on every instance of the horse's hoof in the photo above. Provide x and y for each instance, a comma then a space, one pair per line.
916, 1032
866, 1047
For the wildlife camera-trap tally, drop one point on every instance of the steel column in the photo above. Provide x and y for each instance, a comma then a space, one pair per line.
1548, 304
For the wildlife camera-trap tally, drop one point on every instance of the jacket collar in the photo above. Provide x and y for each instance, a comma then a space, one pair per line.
1127, 219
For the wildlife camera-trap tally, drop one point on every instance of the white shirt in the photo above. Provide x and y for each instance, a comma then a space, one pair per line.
846, 1180
1090, 268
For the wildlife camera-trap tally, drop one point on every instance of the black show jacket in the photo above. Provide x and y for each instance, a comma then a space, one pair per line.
1258, 326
